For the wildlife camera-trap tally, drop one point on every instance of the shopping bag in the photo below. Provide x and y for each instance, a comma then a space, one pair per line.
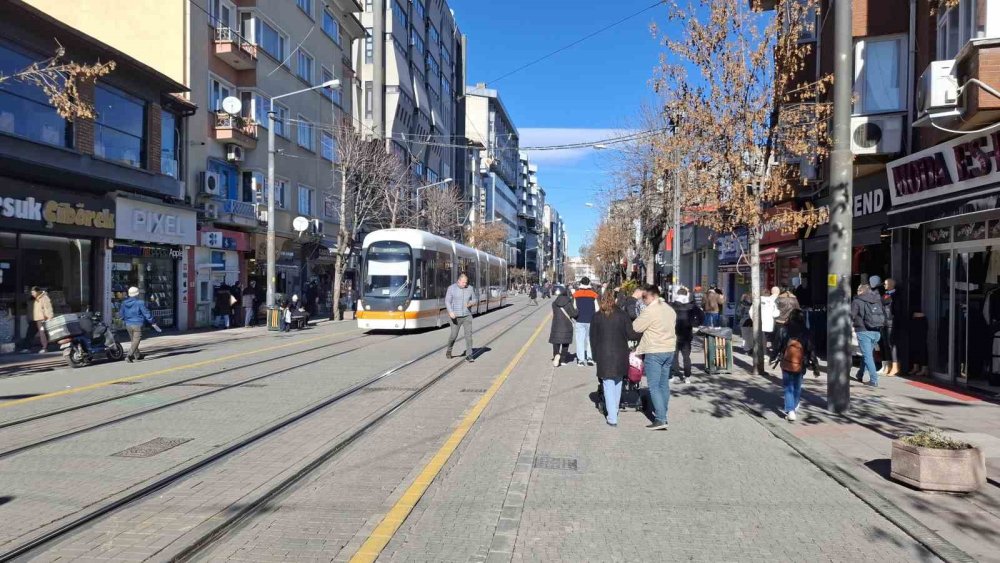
634, 367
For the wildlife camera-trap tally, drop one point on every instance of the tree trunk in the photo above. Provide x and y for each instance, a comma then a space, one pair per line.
758, 332
343, 244
650, 262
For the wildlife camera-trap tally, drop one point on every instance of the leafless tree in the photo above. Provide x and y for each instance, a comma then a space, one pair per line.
60, 81
441, 211
397, 197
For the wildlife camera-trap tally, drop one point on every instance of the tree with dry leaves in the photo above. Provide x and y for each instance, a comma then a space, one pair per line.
60, 80
488, 237
609, 248
745, 118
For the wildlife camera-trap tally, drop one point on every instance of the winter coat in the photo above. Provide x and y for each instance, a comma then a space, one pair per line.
768, 312
609, 337
562, 326
658, 325
689, 316
714, 302
889, 305
629, 305
135, 313
799, 332
585, 300
857, 309
786, 305
42, 308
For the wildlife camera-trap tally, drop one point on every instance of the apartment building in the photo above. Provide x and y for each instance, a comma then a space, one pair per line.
529, 215
411, 72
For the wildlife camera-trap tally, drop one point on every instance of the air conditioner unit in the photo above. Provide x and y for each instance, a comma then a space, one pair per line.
212, 210
937, 90
876, 134
234, 153
316, 227
211, 184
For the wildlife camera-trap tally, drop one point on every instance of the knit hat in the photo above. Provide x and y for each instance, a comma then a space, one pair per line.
584, 281
874, 281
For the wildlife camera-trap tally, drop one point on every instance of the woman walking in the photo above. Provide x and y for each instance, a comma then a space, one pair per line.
561, 334
768, 312
786, 303
795, 353
610, 332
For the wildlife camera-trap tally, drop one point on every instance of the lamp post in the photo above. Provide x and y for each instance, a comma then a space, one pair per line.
445, 181
270, 190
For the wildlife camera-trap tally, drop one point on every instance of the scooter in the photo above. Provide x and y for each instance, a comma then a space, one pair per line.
94, 338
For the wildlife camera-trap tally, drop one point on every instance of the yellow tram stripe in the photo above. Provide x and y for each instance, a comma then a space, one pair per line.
393, 520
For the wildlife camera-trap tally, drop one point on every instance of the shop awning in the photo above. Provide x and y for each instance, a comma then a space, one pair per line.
915, 215
862, 237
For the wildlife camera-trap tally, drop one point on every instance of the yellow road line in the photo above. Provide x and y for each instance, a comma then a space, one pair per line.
100, 384
379, 538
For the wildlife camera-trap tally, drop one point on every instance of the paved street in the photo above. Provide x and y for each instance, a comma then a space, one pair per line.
537, 477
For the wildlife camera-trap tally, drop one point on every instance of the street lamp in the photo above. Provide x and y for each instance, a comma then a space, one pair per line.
270, 189
445, 181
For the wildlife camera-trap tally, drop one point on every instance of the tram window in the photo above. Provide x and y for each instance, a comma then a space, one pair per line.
443, 272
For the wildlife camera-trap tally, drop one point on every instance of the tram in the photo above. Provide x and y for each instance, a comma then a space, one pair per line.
406, 273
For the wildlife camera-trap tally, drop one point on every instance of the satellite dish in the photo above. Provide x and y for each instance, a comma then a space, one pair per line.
232, 105
300, 223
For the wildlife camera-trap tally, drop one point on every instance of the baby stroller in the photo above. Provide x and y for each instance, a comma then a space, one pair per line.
631, 396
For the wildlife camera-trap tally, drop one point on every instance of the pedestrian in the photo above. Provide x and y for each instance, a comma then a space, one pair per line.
917, 335
248, 309
222, 306
744, 308
285, 317
585, 301
795, 353
459, 299
890, 336
868, 318
699, 297
561, 333
657, 323
349, 302
786, 303
689, 316
610, 332
533, 295
236, 298
714, 302
769, 312
41, 311
135, 314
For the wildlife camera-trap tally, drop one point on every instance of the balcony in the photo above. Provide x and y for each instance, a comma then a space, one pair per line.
232, 212
234, 50
235, 129
979, 59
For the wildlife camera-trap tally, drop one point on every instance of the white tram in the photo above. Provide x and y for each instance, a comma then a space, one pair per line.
406, 273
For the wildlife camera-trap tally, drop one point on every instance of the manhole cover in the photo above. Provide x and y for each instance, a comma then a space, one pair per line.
152, 447
220, 385
473, 390
560, 463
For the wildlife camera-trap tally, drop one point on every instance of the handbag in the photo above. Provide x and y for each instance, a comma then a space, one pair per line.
635, 368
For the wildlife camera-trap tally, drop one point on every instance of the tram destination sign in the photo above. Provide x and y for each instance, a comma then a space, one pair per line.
958, 165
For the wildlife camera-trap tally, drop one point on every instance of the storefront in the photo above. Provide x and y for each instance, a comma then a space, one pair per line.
54, 239
148, 253
220, 263
945, 218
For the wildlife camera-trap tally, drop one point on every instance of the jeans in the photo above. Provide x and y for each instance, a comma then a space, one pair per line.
712, 319
248, 319
582, 336
792, 383
657, 368
612, 397
866, 341
135, 335
456, 324
683, 353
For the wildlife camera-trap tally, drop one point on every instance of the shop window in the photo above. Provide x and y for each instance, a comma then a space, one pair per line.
151, 269
120, 128
25, 110
61, 266
879, 69
170, 137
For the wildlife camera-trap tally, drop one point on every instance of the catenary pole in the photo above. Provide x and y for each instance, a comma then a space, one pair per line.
270, 211
841, 218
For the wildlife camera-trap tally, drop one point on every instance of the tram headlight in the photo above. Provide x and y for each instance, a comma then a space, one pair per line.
400, 308
368, 307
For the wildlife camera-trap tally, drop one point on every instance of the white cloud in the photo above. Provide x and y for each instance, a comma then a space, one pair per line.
547, 136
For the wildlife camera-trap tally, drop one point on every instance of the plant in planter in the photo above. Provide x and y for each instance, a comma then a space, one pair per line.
931, 461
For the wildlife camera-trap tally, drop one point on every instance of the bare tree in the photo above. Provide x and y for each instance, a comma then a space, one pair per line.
397, 197
441, 211
60, 81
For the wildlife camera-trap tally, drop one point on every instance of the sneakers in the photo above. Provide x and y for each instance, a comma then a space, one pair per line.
790, 416
612, 424
657, 426
470, 359
590, 363
555, 361
579, 363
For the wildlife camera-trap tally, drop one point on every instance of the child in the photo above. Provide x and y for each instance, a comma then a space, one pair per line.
285, 320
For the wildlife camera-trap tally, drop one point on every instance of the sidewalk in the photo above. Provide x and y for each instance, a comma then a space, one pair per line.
859, 442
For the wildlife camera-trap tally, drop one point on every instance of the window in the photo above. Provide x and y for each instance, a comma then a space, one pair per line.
331, 26
368, 5
306, 6
879, 75
432, 176
446, 88
306, 134
253, 181
433, 70
272, 41
432, 35
399, 11
170, 152
255, 107
218, 91
281, 127
223, 13
418, 44
305, 200
280, 193
369, 99
120, 128
305, 66
330, 206
328, 148
808, 31
332, 94
369, 46
25, 110
446, 59
957, 25
418, 10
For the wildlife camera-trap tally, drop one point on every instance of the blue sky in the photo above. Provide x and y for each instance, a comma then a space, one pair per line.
585, 93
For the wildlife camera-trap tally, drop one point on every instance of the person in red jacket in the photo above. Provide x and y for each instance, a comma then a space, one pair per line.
585, 299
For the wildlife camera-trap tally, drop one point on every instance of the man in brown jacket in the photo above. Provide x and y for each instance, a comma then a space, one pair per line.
41, 311
714, 301
658, 325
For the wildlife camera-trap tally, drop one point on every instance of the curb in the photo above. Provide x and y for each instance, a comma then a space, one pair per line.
926, 537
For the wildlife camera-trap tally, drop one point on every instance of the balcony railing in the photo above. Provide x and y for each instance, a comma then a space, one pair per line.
234, 49
240, 208
235, 129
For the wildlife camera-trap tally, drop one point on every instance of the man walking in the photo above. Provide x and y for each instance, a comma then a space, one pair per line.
868, 318
459, 299
586, 304
689, 316
657, 323
714, 302
135, 314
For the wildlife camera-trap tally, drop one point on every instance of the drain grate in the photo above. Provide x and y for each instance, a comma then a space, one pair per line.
473, 390
219, 385
373, 389
152, 447
560, 463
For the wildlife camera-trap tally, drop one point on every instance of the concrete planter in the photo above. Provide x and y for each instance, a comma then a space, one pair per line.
933, 469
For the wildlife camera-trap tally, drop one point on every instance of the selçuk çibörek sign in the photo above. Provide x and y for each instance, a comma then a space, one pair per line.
958, 165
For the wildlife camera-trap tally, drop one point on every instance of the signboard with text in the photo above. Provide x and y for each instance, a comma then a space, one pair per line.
961, 164
151, 222
31, 207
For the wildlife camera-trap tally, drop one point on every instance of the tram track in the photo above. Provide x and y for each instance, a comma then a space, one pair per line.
166, 480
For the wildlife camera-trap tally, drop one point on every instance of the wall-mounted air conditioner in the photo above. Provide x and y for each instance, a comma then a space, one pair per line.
212, 210
211, 183
234, 153
876, 134
937, 89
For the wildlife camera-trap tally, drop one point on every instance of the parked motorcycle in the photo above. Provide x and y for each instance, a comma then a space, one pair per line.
82, 337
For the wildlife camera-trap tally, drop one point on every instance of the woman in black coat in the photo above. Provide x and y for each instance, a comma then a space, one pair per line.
610, 332
561, 335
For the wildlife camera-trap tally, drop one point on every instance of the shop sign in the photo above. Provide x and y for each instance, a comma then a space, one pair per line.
939, 236
211, 239
150, 222
731, 247
961, 164
741, 269
774, 231
868, 203
687, 240
970, 231
31, 207
148, 251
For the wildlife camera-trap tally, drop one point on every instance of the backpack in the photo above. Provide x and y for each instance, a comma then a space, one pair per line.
873, 315
794, 358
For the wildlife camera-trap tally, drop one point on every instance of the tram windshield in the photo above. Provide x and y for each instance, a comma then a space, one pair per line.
387, 273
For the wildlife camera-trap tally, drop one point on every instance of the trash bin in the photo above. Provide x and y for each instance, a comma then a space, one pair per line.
273, 318
718, 348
